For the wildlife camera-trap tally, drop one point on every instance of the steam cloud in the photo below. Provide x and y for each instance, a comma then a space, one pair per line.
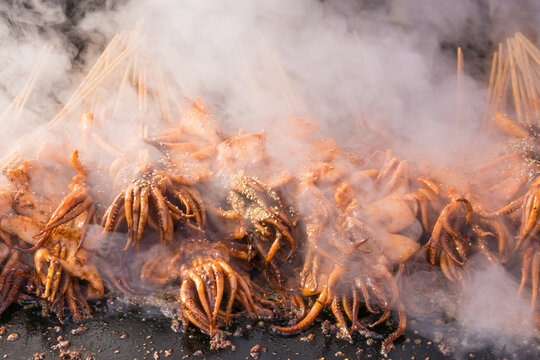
258, 63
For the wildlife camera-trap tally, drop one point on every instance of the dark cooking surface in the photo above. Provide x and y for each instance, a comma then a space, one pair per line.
120, 331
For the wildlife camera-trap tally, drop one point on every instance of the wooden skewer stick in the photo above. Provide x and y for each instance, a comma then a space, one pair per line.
22, 97
521, 79
73, 100
490, 93
459, 90
514, 82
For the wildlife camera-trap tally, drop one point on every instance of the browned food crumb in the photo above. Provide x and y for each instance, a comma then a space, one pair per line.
39, 356
3, 330
156, 355
256, 350
308, 338
70, 355
328, 328
124, 336
80, 330
219, 340
62, 344
339, 353
341, 333
168, 352
13, 337
239, 332
57, 329
198, 353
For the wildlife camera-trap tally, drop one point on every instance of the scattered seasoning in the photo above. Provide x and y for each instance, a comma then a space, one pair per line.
328, 328
13, 337
239, 332
3, 330
219, 340
57, 329
198, 353
156, 355
168, 352
39, 356
256, 350
61, 345
339, 354
80, 330
308, 338
70, 355
117, 351
124, 336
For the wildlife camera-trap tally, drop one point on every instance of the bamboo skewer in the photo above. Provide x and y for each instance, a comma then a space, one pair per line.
490, 93
459, 85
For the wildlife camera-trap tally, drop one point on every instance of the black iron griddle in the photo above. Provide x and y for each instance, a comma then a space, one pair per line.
124, 331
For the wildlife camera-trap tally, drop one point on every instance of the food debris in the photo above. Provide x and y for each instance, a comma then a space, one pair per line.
124, 336
39, 356
70, 355
256, 350
61, 345
328, 328
198, 353
80, 330
339, 354
13, 337
308, 338
3, 330
219, 341
156, 355
239, 332
168, 352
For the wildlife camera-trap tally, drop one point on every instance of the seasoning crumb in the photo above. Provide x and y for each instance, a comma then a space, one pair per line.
57, 329
339, 354
168, 352
219, 340
3, 330
239, 332
124, 336
156, 355
328, 328
117, 351
62, 344
39, 356
70, 355
13, 337
198, 353
256, 350
308, 338
80, 330
418, 341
